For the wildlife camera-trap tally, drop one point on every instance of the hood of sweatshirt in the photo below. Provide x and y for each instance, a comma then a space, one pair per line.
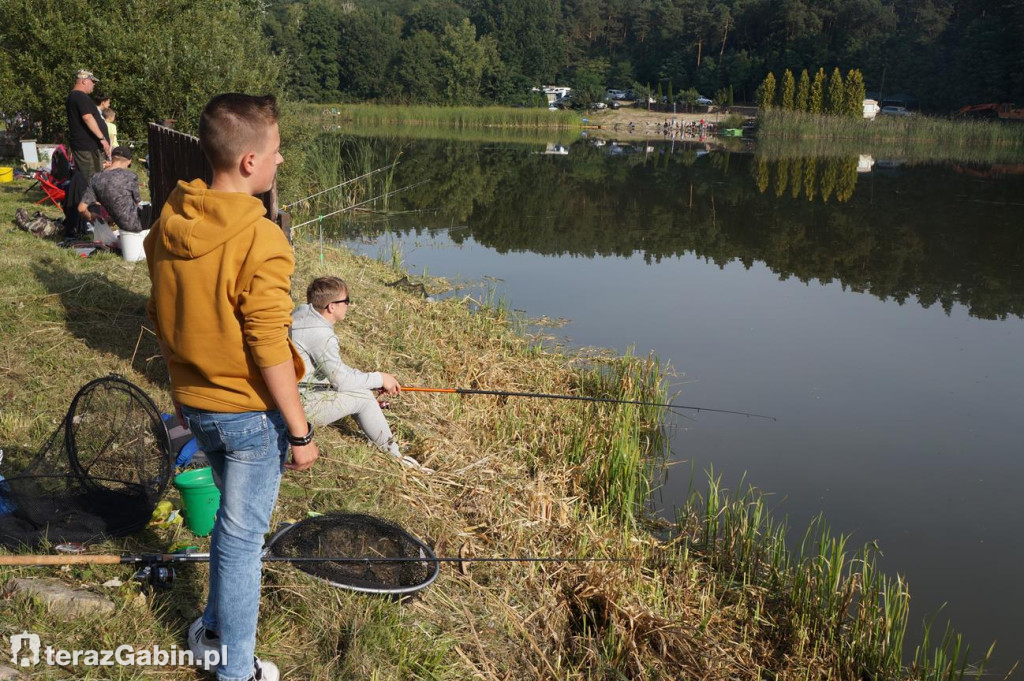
196, 225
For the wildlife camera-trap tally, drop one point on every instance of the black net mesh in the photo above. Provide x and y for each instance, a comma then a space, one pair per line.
99, 475
354, 536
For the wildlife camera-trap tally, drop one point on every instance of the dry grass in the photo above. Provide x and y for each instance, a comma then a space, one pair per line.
504, 487
514, 477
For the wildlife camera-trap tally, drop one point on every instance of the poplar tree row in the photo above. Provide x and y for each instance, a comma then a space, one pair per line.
832, 95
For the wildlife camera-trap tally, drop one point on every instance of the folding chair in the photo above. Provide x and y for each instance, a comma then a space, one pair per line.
62, 164
53, 191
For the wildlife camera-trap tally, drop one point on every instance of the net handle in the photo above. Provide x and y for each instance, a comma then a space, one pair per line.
84, 559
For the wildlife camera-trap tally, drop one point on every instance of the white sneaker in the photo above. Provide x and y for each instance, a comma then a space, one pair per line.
412, 464
264, 671
199, 642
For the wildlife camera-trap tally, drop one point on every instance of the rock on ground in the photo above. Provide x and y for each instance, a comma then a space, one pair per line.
60, 598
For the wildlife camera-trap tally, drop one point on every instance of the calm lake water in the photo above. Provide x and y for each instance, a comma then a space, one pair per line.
874, 307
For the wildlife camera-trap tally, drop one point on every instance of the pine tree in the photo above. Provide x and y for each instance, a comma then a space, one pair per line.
854, 93
803, 92
788, 90
766, 93
836, 94
817, 105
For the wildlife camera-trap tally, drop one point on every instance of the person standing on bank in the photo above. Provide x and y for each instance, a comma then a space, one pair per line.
86, 136
109, 116
221, 309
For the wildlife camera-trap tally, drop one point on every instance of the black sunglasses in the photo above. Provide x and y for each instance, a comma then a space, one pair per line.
347, 300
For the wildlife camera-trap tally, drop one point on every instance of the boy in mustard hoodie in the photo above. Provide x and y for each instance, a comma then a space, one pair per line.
220, 303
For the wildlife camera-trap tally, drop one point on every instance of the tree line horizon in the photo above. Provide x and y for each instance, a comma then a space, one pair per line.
163, 59
941, 53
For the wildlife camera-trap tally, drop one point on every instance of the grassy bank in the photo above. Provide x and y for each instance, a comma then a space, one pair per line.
458, 117
915, 138
716, 597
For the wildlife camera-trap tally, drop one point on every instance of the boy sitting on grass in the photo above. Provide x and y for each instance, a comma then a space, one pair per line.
221, 308
331, 390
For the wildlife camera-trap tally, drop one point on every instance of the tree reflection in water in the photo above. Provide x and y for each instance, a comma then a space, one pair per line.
924, 233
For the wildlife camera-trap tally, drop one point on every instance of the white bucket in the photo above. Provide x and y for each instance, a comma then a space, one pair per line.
131, 245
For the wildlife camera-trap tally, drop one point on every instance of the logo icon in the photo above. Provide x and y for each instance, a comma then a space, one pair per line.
28, 645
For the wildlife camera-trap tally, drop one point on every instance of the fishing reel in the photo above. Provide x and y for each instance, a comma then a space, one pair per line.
158, 577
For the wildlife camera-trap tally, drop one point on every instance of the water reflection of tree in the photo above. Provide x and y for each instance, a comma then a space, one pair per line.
810, 173
830, 176
796, 182
898, 241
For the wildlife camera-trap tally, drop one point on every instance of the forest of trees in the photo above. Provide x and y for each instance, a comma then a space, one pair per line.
164, 58
943, 53
156, 58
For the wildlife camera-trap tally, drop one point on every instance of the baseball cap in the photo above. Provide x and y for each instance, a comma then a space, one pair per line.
86, 73
123, 152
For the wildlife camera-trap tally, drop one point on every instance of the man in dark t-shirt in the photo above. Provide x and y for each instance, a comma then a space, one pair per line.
117, 190
89, 145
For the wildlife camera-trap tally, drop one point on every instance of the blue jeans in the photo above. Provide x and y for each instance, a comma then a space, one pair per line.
247, 453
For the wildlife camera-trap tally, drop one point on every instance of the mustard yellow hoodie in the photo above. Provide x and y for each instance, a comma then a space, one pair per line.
220, 299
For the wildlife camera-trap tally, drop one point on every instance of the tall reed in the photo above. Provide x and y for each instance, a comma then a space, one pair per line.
330, 160
444, 116
618, 471
828, 602
917, 138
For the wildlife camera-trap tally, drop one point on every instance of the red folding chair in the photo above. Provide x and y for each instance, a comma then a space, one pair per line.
51, 189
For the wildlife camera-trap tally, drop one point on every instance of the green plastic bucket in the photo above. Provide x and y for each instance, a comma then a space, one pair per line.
200, 499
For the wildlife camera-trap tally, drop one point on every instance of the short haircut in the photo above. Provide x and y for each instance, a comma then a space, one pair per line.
233, 124
109, 114
100, 97
324, 290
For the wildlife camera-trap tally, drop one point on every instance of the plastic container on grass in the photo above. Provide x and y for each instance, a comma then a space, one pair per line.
200, 499
131, 245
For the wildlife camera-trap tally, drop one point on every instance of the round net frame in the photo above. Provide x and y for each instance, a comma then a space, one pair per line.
355, 548
100, 474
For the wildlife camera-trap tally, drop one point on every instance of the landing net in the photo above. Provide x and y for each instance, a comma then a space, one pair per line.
100, 474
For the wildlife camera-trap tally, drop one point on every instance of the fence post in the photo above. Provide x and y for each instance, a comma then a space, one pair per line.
176, 156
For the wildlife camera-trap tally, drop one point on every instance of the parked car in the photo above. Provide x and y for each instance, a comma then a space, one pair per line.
703, 101
895, 111
563, 102
616, 94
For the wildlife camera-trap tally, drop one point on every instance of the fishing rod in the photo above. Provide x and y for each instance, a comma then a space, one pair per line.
181, 558
583, 398
338, 186
301, 542
356, 205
